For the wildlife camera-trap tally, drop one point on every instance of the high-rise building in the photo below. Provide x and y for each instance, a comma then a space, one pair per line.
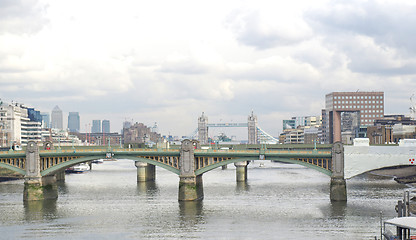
46, 119
96, 126
18, 124
367, 106
57, 118
73, 122
295, 122
106, 126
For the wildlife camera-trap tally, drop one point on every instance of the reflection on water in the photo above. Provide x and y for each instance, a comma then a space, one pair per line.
62, 189
242, 187
279, 201
149, 188
338, 209
191, 212
40, 210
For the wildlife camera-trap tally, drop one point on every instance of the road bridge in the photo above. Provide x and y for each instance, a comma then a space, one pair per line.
42, 168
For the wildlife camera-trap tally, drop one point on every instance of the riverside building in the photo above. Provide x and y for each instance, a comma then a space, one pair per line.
367, 106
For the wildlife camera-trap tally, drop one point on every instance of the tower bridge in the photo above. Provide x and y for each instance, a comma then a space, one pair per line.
42, 168
256, 135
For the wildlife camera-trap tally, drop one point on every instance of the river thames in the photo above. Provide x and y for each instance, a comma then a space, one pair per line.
279, 201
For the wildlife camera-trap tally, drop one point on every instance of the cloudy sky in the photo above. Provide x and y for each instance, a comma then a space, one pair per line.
168, 61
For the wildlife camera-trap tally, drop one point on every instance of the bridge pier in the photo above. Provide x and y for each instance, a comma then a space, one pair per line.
40, 189
190, 188
60, 176
338, 186
241, 171
190, 185
145, 172
36, 186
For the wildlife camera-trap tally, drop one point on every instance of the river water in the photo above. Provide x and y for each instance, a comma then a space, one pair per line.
279, 201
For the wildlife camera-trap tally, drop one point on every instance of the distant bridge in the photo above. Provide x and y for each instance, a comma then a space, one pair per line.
41, 168
256, 135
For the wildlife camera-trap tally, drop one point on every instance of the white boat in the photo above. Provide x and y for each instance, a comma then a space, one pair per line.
98, 161
405, 228
79, 168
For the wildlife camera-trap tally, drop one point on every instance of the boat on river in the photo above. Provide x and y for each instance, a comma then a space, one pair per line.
404, 224
405, 228
79, 168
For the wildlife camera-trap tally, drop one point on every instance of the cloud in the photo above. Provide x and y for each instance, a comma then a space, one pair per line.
276, 68
253, 29
377, 36
22, 17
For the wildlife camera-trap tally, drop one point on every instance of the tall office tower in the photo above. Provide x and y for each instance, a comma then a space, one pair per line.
57, 119
46, 120
106, 126
96, 126
73, 122
366, 106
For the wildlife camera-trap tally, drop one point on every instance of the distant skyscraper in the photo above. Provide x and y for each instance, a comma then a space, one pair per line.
96, 126
57, 119
73, 122
46, 120
106, 126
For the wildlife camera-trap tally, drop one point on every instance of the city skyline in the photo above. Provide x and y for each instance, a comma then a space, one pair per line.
169, 64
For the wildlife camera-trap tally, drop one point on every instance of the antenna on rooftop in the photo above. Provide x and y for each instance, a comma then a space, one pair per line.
412, 107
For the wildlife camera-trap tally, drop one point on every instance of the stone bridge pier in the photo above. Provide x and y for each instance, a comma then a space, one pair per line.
145, 172
190, 185
338, 186
36, 186
241, 171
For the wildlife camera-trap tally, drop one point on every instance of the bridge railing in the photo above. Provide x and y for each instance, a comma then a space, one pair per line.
266, 151
13, 151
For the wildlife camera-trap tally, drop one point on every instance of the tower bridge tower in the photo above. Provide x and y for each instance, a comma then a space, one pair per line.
203, 129
252, 129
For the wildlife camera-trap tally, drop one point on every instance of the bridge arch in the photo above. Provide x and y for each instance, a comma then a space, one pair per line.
64, 165
285, 160
150, 161
363, 171
219, 164
13, 168
305, 164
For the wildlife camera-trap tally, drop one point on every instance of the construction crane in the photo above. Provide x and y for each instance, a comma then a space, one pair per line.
412, 107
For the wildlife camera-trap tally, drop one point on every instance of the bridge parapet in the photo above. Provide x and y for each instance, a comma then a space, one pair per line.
361, 159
